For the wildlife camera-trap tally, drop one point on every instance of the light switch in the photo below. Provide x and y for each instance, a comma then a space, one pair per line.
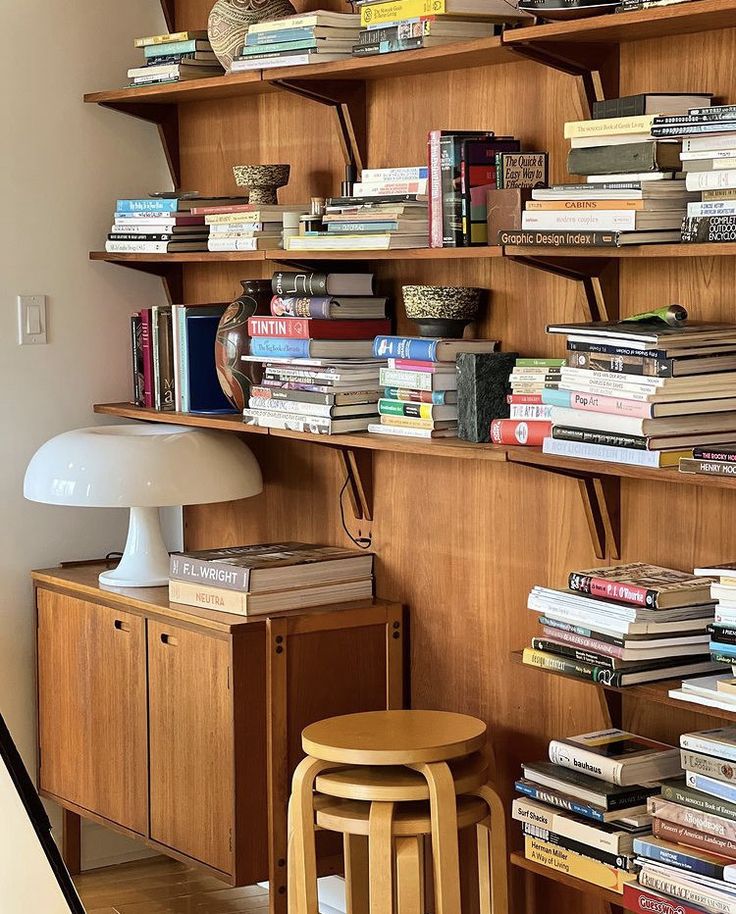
31, 320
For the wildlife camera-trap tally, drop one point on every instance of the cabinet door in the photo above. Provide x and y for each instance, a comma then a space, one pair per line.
92, 708
191, 743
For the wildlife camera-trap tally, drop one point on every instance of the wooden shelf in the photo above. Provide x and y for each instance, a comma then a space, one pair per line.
656, 692
279, 256
635, 251
227, 423
519, 860
192, 90
189, 257
685, 19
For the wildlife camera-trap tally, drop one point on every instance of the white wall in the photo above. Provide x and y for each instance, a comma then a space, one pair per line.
62, 165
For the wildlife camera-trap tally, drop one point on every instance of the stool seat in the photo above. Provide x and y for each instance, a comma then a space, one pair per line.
394, 737
352, 817
395, 784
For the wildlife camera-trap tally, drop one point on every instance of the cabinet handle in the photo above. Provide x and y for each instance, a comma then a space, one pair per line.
169, 639
122, 626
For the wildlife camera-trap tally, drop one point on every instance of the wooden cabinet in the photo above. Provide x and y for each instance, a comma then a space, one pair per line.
92, 688
181, 726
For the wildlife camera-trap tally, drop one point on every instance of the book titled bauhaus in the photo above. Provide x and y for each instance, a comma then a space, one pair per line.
616, 756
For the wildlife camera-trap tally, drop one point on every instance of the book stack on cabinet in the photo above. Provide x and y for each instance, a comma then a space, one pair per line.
529, 420
315, 37
643, 393
176, 57
386, 211
691, 855
420, 385
584, 808
408, 25
633, 191
624, 625
164, 224
319, 374
270, 577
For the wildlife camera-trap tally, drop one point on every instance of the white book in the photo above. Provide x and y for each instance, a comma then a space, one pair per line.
587, 220
628, 456
587, 142
711, 180
407, 432
325, 18
635, 425
602, 836
704, 154
709, 143
290, 60
712, 208
235, 244
391, 175
719, 742
642, 177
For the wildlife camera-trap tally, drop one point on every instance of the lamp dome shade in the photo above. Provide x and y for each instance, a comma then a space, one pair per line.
122, 466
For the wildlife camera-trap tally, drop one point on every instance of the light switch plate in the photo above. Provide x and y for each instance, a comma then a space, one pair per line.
31, 320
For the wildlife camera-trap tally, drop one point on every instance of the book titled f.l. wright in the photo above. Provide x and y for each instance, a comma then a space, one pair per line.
270, 566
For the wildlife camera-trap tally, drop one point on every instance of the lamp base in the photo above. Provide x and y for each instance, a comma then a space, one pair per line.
145, 561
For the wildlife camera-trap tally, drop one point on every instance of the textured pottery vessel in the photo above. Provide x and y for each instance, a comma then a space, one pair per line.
233, 341
262, 181
230, 20
441, 310
556, 10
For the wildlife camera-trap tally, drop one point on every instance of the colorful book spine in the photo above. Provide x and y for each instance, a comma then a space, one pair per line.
280, 348
568, 667
711, 786
377, 13
682, 859
645, 901
171, 48
690, 797
402, 347
575, 865
561, 801
527, 433
147, 350
565, 842
148, 205
416, 410
707, 764
618, 591
687, 891
680, 834
596, 403
406, 395
434, 157
292, 306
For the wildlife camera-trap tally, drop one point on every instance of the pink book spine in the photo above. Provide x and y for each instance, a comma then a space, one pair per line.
591, 644
435, 189
413, 365
613, 405
147, 351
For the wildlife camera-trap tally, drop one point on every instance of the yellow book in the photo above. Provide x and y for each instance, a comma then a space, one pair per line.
577, 866
190, 35
393, 10
610, 126
584, 204
414, 422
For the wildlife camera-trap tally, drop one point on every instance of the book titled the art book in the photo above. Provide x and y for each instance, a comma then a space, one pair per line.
616, 756
270, 566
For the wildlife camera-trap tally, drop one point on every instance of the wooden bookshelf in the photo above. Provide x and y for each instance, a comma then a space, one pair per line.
186, 257
633, 251
212, 88
280, 256
656, 692
604, 895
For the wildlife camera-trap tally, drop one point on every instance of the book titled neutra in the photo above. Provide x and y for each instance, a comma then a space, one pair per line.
270, 566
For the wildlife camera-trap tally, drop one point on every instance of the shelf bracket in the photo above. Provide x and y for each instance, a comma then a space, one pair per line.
612, 706
601, 497
169, 10
172, 275
358, 466
595, 67
166, 119
347, 99
598, 276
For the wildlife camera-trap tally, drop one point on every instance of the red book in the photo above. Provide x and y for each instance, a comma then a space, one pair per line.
524, 399
306, 328
645, 901
530, 433
414, 365
147, 351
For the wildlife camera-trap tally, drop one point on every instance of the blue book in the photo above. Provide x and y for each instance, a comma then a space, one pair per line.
683, 858
534, 792
149, 205
720, 648
429, 349
265, 346
438, 396
346, 228
711, 786
205, 393
556, 397
305, 44
279, 36
172, 47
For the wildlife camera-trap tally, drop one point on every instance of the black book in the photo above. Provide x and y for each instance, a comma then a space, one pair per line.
592, 790
618, 861
136, 342
321, 284
724, 452
647, 103
663, 131
382, 198
451, 152
593, 658
708, 229
629, 158
724, 634
593, 436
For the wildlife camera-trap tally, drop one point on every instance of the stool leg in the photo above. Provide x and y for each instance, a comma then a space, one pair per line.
355, 850
445, 855
498, 850
302, 861
410, 875
484, 869
380, 855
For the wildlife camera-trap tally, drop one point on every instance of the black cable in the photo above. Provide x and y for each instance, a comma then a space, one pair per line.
362, 542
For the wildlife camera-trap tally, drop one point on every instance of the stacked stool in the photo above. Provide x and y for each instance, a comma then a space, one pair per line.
386, 780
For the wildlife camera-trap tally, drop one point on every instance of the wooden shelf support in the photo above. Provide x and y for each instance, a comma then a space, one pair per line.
595, 66
169, 10
166, 118
598, 276
347, 99
172, 275
358, 465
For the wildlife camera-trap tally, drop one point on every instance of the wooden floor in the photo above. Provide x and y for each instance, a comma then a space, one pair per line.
162, 886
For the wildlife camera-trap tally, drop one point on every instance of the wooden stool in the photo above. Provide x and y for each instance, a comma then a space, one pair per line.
423, 741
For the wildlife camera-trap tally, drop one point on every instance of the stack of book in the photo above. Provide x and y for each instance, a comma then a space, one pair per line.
407, 25
691, 854
163, 224
643, 393
245, 226
173, 58
624, 625
173, 359
319, 375
305, 38
708, 135
270, 577
585, 808
386, 211
529, 421
419, 376
463, 166
716, 460
633, 192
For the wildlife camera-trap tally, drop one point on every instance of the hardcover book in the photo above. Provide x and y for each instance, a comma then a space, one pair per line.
642, 585
616, 756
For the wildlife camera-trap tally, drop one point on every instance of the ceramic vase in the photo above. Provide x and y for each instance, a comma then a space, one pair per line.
230, 20
262, 181
441, 310
233, 341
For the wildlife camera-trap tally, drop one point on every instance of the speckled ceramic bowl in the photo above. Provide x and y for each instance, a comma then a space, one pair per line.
441, 310
262, 181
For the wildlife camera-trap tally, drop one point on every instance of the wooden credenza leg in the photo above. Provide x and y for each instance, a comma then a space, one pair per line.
71, 841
